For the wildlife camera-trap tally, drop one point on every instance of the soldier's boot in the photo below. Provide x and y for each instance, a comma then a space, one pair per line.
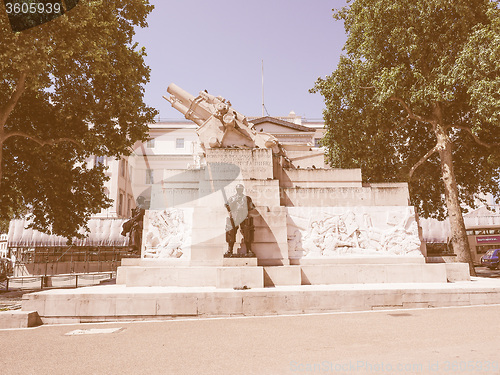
229, 252
249, 253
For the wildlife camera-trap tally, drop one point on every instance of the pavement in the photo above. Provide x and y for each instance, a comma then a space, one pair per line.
460, 340
453, 340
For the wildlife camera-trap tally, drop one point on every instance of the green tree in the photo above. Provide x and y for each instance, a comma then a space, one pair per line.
416, 97
69, 88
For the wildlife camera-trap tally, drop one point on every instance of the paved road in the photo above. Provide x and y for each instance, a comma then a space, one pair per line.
427, 341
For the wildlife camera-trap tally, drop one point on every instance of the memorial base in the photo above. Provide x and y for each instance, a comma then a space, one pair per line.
238, 272
121, 303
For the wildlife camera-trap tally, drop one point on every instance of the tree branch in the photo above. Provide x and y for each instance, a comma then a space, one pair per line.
14, 97
476, 138
41, 142
422, 161
409, 111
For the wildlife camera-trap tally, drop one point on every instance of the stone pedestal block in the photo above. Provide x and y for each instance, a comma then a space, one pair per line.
239, 262
240, 277
373, 273
19, 319
284, 275
457, 272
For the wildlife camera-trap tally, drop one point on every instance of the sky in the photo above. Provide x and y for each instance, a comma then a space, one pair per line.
221, 46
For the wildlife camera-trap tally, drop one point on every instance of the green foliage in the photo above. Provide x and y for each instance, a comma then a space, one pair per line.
83, 95
423, 54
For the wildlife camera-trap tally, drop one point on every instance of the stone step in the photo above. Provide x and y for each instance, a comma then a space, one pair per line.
117, 302
239, 270
192, 276
19, 319
372, 273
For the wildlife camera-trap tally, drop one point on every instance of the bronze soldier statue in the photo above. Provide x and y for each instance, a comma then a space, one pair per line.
134, 226
239, 207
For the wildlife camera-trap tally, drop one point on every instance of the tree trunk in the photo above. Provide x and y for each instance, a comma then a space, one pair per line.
6, 110
459, 238
1, 154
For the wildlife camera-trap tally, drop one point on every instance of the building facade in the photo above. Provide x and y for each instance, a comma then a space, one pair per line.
3, 246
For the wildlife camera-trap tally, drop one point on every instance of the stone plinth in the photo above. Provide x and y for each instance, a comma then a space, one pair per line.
192, 276
239, 262
240, 277
372, 273
282, 275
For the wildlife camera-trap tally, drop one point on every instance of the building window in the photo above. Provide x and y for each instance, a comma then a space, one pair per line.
120, 204
123, 167
149, 177
150, 143
179, 143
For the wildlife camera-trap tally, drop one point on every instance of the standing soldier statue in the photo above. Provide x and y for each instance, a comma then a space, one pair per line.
239, 207
134, 226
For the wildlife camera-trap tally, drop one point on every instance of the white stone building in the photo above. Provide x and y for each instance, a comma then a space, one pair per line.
3, 246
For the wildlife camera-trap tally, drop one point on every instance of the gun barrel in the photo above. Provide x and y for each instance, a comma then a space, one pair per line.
183, 96
188, 103
184, 110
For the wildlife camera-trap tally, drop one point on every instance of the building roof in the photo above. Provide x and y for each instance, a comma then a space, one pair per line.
274, 120
103, 232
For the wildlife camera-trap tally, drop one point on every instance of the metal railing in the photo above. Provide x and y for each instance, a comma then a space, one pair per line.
57, 281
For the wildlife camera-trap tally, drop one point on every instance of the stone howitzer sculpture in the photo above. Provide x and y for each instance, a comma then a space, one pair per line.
220, 126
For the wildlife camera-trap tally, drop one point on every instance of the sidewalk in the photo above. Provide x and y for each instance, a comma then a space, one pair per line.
417, 341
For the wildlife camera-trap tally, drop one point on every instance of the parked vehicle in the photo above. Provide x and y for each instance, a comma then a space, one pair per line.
491, 259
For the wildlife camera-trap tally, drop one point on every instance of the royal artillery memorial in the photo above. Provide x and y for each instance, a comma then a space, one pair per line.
321, 240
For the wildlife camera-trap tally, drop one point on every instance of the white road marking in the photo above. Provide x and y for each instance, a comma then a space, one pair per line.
93, 331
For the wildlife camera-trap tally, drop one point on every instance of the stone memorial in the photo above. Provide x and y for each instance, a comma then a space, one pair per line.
305, 222
312, 232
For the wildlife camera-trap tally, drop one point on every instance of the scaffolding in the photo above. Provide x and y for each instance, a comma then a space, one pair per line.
36, 253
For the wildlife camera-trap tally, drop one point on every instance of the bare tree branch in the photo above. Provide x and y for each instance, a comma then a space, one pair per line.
14, 97
41, 142
476, 138
409, 111
422, 161
6, 110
